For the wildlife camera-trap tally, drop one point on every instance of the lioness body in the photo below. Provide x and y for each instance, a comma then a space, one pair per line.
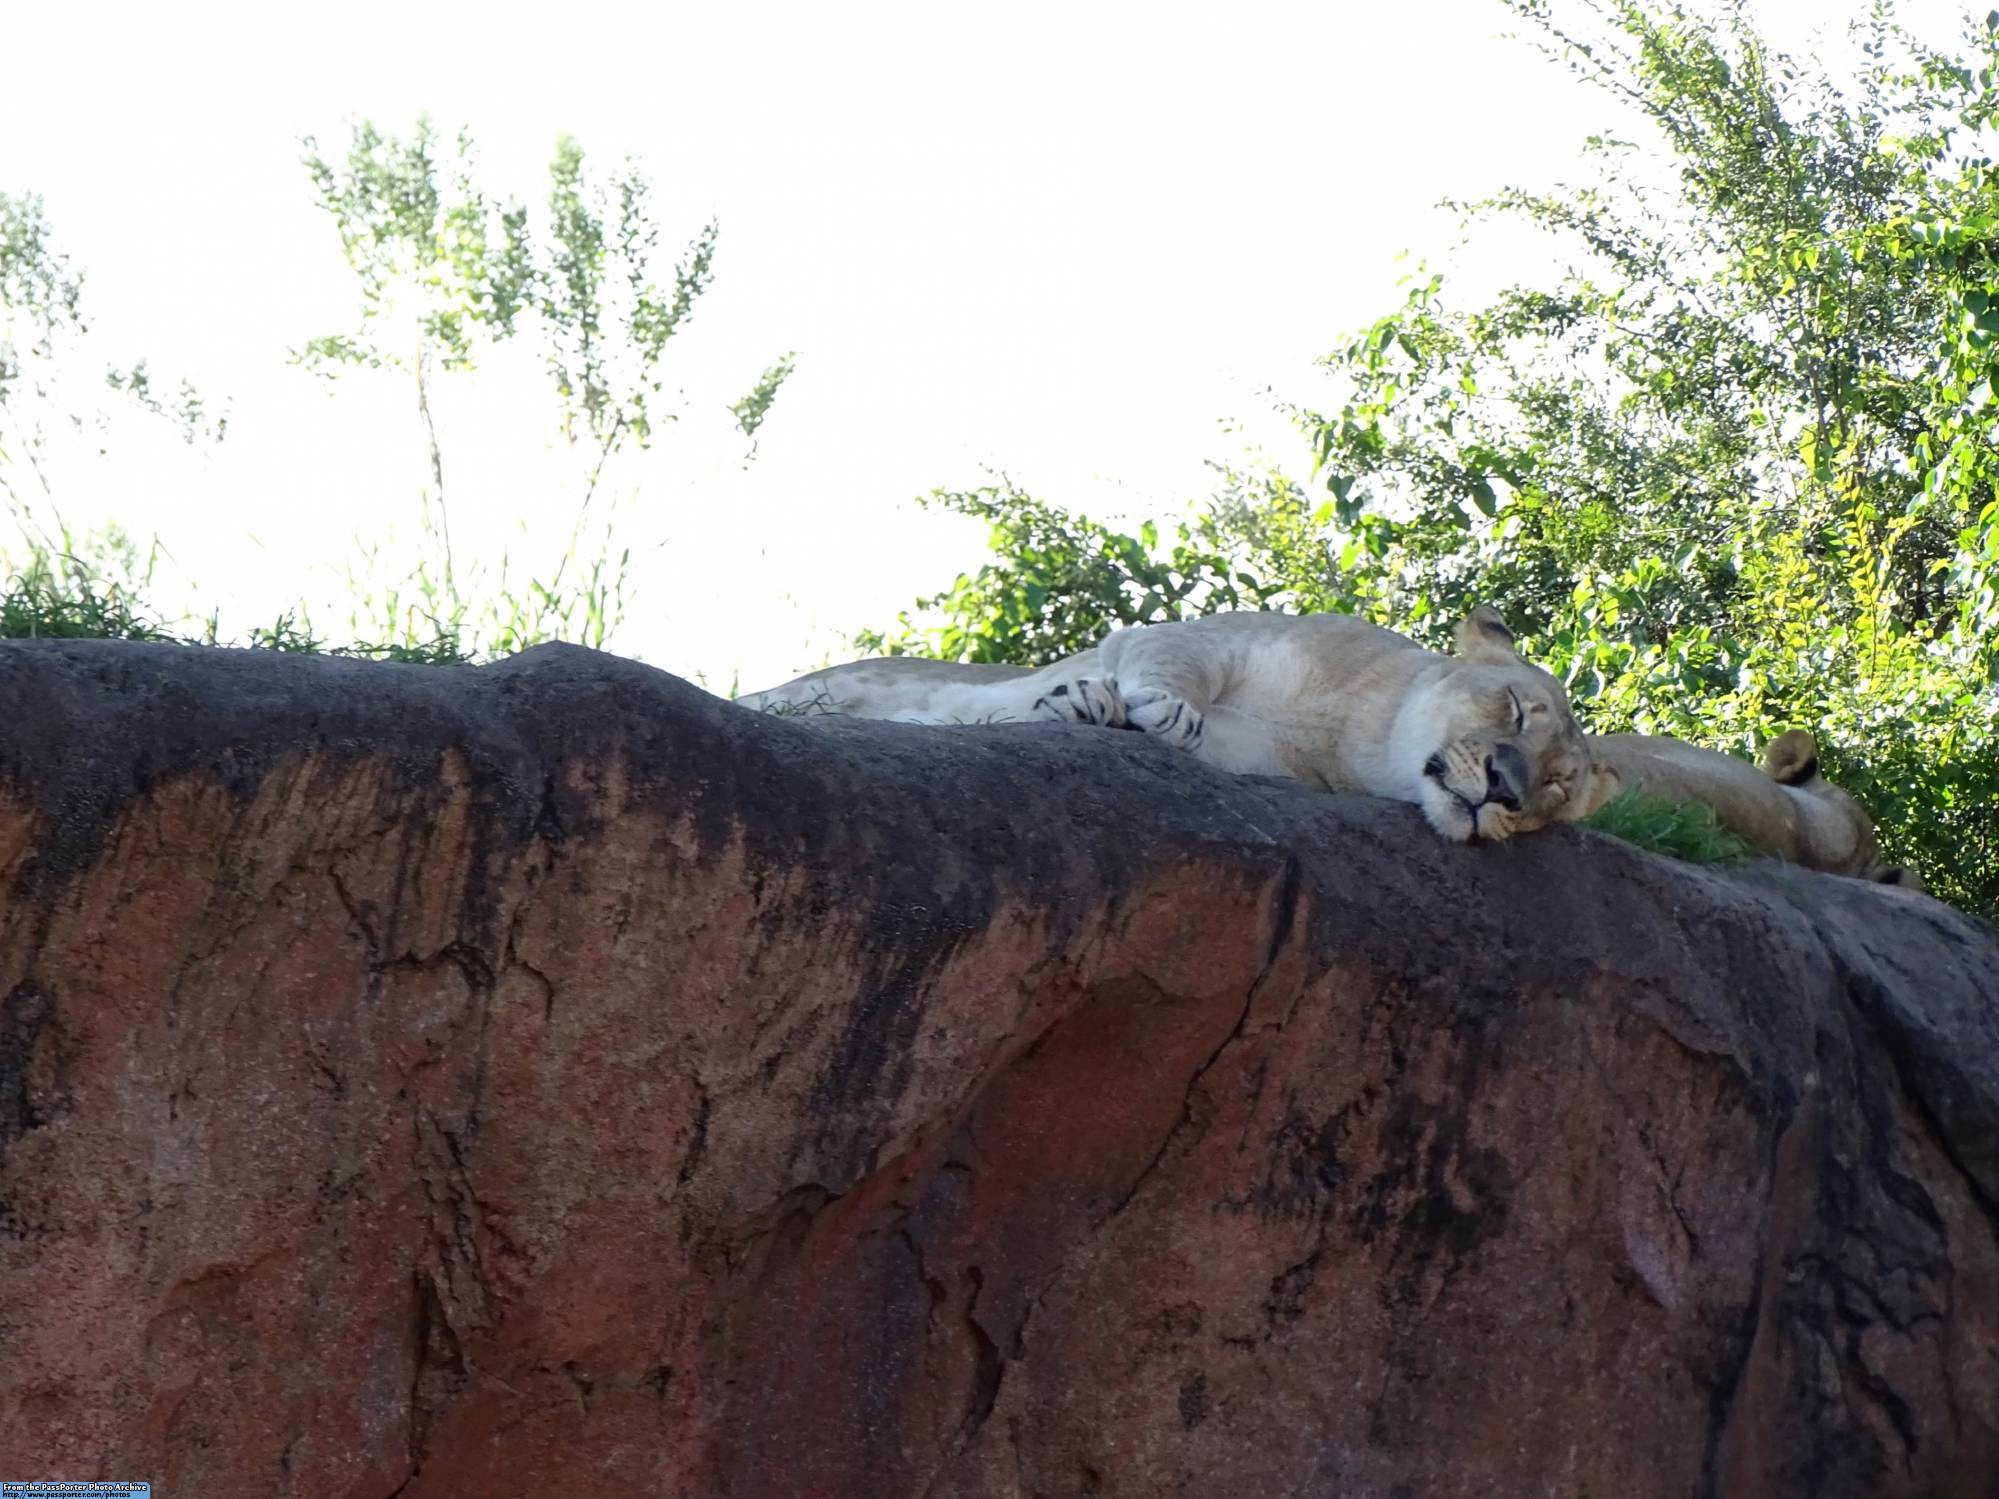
1787, 808
1482, 741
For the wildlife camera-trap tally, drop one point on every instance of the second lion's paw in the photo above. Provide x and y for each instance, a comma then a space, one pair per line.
1165, 716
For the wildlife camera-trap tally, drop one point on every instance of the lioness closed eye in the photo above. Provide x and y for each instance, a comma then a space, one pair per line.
1482, 741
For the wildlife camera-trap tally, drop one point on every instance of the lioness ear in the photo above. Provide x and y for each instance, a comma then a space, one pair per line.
1483, 636
1792, 758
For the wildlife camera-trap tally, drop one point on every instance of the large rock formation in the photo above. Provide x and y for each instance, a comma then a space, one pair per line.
546, 1079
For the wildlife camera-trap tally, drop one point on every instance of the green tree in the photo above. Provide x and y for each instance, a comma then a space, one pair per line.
1058, 582
52, 580
43, 333
1734, 468
446, 274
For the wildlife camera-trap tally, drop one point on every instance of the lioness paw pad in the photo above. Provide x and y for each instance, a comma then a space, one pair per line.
1087, 700
1165, 716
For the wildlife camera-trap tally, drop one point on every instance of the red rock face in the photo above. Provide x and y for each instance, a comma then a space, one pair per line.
546, 1078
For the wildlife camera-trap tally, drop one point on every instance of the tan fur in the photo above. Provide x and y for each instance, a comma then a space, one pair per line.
1787, 809
1326, 699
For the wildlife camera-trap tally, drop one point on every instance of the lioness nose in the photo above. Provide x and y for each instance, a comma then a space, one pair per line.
1506, 777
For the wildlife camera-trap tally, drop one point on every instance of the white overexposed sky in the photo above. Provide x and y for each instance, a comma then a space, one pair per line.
1063, 241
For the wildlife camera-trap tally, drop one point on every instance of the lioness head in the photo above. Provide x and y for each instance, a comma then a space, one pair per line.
1792, 759
1491, 743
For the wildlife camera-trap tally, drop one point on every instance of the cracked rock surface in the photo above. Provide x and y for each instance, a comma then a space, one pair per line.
546, 1078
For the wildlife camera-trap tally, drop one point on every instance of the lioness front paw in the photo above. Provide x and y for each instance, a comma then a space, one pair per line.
1090, 700
1164, 716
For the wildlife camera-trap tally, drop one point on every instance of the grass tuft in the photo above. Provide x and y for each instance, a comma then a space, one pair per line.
1679, 830
57, 595
296, 637
819, 705
59, 598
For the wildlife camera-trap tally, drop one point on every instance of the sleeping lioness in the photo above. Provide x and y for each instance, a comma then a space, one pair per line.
1482, 741
1787, 808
